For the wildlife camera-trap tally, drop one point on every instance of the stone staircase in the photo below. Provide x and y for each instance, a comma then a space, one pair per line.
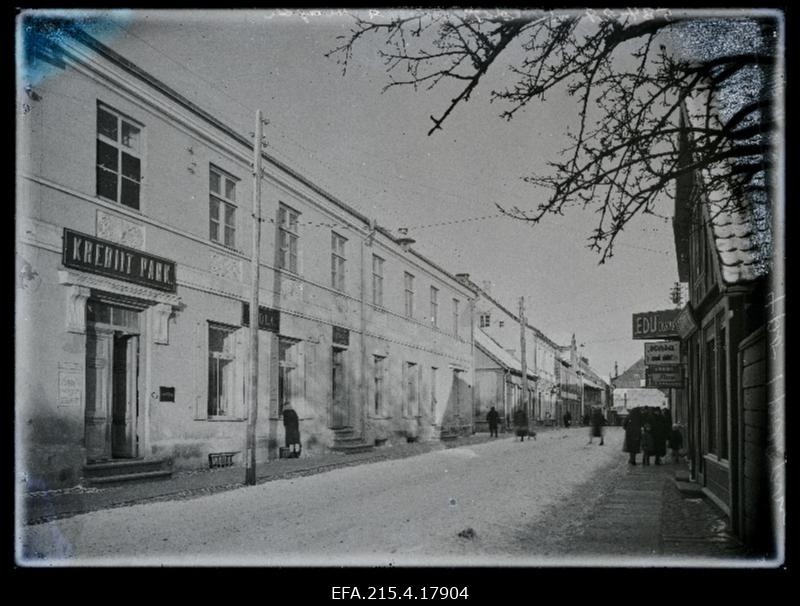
126, 470
346, 442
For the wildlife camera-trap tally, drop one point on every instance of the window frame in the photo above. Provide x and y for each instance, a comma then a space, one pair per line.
120, 148
235, 410
223, 204
456, 318
408, 283
379, 385
377, 280
338, 261
434, 306
290, 252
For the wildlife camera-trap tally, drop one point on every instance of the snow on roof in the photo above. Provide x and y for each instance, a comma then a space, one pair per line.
494, 350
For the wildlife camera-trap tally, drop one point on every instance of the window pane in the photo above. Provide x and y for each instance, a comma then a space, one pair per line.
282, 217
214, 209
130, 136
130, 193
229, 215
230, 189
131, 167
107, 156
213, 182
216, 340
106, 184
229, 236
214, 230
106, 124
293, 221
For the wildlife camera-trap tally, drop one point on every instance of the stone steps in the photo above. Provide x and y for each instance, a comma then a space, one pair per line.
126, 470
346, 442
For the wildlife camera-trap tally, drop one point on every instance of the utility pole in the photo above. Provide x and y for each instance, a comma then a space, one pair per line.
524, 365
250, 465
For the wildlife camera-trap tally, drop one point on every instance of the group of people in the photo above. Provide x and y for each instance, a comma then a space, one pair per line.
648, 429
520, 423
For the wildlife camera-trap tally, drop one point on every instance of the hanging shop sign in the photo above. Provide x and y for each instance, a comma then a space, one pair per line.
341, 336
662, 352
664, 375
686, 323
87, 253
656, 324
268, 319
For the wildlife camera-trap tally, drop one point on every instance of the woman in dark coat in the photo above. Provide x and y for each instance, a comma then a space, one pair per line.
660, 434
291, 426
633, 434
597, 421
521, 423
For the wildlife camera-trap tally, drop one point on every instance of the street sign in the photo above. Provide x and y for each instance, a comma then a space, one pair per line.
664, 376
662, 352
656, 324
686, 323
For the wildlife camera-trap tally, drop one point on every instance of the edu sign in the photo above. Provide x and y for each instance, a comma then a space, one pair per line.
656, 324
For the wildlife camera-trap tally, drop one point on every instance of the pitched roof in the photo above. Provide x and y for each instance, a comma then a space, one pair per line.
495, 351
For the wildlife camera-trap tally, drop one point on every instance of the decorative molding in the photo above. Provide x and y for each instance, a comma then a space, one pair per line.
201, 280
225, 266
161, 313
79, 289
76, 307
116, 229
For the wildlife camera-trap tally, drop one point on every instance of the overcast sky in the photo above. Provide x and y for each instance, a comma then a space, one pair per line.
372, 151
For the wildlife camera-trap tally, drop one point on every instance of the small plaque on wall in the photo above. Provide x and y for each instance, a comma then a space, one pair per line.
166, 394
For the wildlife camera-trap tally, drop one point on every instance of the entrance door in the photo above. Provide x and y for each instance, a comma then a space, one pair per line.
112, 373
340, 416
124, 395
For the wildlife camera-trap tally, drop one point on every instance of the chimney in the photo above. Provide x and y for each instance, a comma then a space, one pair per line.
404, 240
487, 287
463, 278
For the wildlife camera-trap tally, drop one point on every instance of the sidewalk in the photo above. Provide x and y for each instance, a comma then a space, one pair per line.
643, 517
54, 504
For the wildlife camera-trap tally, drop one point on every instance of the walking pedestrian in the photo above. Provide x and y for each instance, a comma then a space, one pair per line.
676, 443
521, 423
597, 422
660, 434
291, 426
567, 419
633, 434
493, 417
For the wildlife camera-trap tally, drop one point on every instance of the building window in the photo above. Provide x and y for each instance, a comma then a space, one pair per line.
409, 284
501, 323
723, 391
337, 261
225, 376
377, 280
222, 209
485, 320
287, 372
434, 306
455, 316
288, 237
119, 164
711, 394
378, 379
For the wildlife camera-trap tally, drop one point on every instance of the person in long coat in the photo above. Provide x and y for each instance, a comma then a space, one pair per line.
660, 434
493, 417
521, 423
291, 426
633, 434
597, 422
